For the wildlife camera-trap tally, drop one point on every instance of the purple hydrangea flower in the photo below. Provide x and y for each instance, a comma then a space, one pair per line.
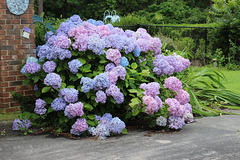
176, 108
54, 80
74, 65
39, 107
70, 95
119, 98
176, 122
101, 97
44, 51
88, 84
79, 126
58, 104
49, 66
188, 107
101, 131
112, 76
35, 87
23, 124
152, 104
32, 67
121, 71
102, 81
109, 67
73, 110
75, 19
112, 90
151, 89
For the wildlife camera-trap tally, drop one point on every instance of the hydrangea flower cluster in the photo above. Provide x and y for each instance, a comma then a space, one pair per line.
74, 109
115, 92
49, 66
29, 59
100, 97
79, 126
169, 64
113, 55
182, 96
106, 125
39, 107
70, 95
23, 124
74, 65
63, 42
161, 121
102, 81
54, 80
176, 122
124, 62
58, 104
32, 67
150, 98
173, 84
87, 84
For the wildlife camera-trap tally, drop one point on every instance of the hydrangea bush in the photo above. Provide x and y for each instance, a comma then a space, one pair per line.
87, 73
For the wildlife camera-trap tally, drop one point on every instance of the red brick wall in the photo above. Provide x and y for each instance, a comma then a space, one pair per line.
13, 49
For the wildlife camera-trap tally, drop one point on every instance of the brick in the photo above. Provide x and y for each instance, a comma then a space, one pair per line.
3, 32
13, 21
7, 47
3, 11
4, 94
29, 93
23, 46
13, 31
6, 105
2, 22
4, 73
14, 104
16, 62
10, 37
9, 78
26, 21
15, 83
4, 84
2, 41
20, 78
6, 100
25, 87
8, 110
10, 89
3, 52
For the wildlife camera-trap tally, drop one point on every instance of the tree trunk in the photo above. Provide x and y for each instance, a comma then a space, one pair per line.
40, 7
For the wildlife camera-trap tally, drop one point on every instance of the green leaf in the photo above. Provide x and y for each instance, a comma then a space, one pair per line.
134, 65
91, 123
45, 89
102, 61
91, 116
48, 100
135, 111
63, 85
134, 102
124, 131
89, 107
70, 86
49, 110
79, 75
26, 82
83, 61
35, 79
38, 93
86, 68
128, 115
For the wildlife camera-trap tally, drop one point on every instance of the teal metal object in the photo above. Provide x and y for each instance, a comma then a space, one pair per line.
38, 19
111, 16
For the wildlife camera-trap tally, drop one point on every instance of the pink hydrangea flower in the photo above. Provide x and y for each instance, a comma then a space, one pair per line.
63, 42
182, 96
151, 89
173, 84
152, 104
113, 55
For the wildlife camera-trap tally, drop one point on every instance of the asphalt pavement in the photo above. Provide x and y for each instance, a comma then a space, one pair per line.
208, 138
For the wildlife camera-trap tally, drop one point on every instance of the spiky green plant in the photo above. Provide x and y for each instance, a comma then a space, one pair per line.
208, 96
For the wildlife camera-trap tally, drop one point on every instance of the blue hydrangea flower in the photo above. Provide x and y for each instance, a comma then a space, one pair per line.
87, 84
74, 65
39, 106
70, 95
161, 121
54, 80
101, 131
102, 81
124, 62
58, 104
75, 19
116, 125
17, 124
137, 51
32, 67
96, 44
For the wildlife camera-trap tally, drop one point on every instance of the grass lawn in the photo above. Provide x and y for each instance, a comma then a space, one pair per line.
8, 116
233, 80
